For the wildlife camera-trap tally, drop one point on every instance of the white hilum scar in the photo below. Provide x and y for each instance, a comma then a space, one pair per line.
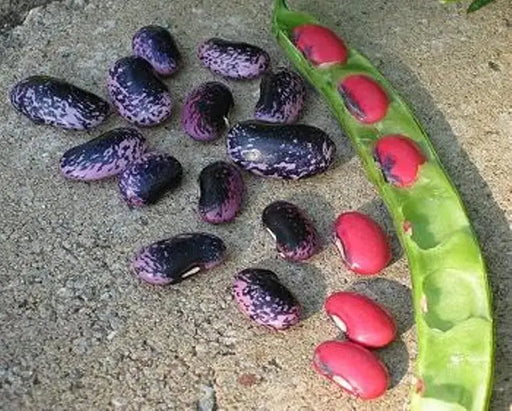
191, 272
343, 382
339, 323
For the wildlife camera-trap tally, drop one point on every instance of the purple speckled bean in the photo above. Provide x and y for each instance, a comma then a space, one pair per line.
172, 260
295, 235
156, 45
205, 112
221, 189
103, 156
290, 151
147, 179
233, 59
49, 100
137, 93
261, 296
282, 96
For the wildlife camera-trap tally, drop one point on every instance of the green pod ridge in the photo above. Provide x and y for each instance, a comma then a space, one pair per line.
452, 299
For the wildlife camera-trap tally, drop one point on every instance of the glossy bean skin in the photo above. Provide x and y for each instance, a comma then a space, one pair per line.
291, 151
147, 179
282, 97
261, 296
232, 59
172, 260
295, 235
156, 45
321, 46
221, 191
104, 156
49, 100
137, 93
206, 109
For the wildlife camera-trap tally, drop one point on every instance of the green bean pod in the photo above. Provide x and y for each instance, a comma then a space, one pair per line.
452, 299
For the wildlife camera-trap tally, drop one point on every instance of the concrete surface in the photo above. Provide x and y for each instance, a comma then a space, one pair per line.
13, 12
78, 331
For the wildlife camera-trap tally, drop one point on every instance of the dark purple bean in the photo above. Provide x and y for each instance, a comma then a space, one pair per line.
147, 179
156, 45
171, 261
282, 96
295, 235
280, 151
137, 93
221, 189
261, 296
103, 156
205, 112
233, 59
49, 100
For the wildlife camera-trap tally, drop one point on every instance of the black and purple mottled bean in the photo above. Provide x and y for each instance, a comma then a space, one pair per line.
147, 179
295, 235
137, 93
290, 151
221, 189
156, 45
233, 59
49, 100
266, 301
205, 112
172, 260
103, 156
282, 96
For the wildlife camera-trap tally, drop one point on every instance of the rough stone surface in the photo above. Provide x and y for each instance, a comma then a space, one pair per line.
80, 332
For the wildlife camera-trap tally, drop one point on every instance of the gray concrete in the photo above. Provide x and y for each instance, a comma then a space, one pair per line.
78, 331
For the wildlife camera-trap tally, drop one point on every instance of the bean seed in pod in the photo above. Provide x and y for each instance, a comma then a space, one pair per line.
137, 93
286, 151
295, 235
147, 179
49, 100
221, 189
399, 159
233, 59
260, 295
205, 112
156, 45
320, 46
172, 260
282, 96
361, 319
104, 156
363, 245
352, 367
364, 98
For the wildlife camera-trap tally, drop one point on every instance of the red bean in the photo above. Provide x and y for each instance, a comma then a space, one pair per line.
362, 243
362, 319
351, 366
320, 45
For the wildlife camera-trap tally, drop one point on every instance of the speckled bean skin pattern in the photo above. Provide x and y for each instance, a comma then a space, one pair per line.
261, 296
221, 190
282, 97
295, 235
233, 59
204, 114
103, 156
147, 179
291, 151
156, 45
172, 260
49, 100
137, 93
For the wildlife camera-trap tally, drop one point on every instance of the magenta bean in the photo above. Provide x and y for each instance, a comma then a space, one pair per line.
321, 46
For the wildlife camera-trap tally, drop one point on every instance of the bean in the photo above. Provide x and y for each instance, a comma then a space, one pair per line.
291, 151
295, 235
137, 93
103, 156
49, 100
205, 112
177, 258
319, 45
260, 295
